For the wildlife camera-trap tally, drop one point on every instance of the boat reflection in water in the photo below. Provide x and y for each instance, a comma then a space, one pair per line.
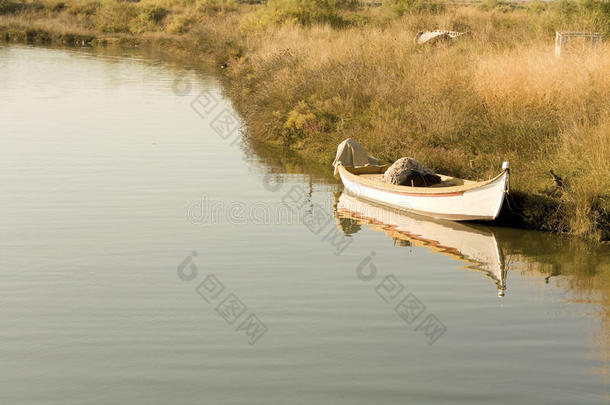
476, 247
580, 269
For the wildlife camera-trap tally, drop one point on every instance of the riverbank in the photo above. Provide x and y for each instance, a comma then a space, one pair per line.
305, 75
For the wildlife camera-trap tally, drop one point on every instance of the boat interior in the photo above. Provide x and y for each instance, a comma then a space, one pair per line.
375, 174
446, 181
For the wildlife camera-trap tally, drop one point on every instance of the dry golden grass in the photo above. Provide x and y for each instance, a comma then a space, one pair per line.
486, 99
498, 94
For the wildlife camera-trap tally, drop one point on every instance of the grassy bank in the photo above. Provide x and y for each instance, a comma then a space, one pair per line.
306, 74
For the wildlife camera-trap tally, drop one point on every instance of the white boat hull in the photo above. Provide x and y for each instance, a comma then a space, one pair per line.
481, 203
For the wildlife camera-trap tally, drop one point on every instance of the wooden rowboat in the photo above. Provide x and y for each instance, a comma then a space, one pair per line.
454, 199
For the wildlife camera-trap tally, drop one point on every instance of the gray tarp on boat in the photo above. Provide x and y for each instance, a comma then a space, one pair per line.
351, 153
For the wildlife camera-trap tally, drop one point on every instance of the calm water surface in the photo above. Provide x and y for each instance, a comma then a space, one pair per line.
114, 170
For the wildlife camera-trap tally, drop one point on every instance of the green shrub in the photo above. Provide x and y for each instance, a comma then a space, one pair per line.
56, 6
400, 7
305, 12
9, 7
537, 6
216, 6
180, 24
586, 15
113, 16
12, 7
148, 19
565, 8
500, 5
599, 14
87, 8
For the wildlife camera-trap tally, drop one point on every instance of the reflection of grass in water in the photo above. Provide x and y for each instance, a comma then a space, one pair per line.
582, 269
585, 267
288, 161
306, 74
